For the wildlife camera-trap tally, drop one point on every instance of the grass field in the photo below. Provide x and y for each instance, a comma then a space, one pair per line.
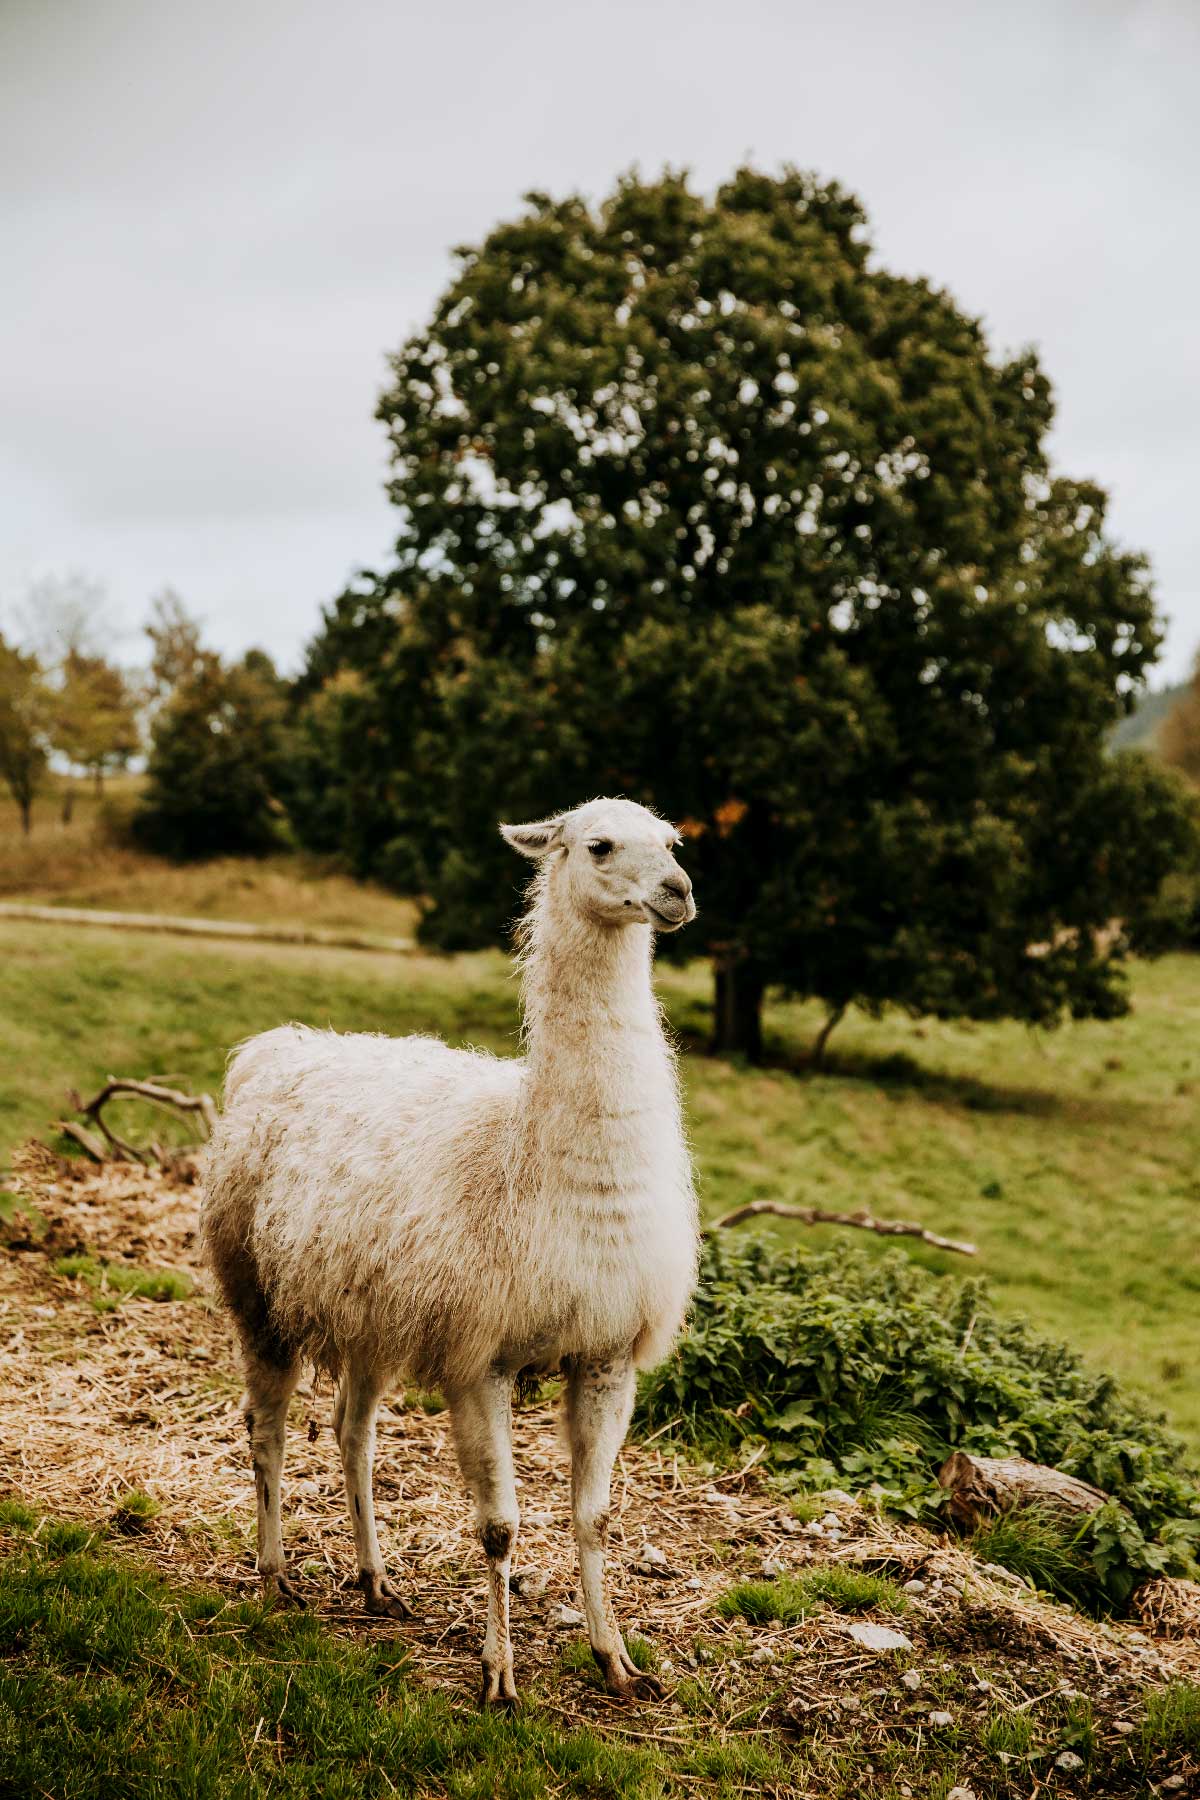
1070, 1158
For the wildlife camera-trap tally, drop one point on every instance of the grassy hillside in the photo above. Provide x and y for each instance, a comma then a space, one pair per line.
87, 863
1070, 1158
1141, 727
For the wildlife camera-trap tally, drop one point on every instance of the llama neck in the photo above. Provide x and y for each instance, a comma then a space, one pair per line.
595, 1044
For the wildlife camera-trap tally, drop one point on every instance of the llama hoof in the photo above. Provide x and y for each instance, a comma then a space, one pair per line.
625, 1681
499, 1689
280, 1590
381, 1598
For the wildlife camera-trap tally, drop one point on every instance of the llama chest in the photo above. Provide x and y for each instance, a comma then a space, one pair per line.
613, 1253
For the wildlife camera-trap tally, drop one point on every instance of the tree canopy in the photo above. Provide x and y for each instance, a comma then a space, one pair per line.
699, 504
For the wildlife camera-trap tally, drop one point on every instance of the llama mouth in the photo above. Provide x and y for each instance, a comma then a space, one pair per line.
662, 922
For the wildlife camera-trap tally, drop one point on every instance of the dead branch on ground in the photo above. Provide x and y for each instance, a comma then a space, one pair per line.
861, 1221
104, 1145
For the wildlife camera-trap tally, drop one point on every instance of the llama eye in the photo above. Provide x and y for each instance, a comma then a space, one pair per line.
601, 847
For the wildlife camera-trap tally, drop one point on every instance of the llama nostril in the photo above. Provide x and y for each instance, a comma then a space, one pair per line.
678, 885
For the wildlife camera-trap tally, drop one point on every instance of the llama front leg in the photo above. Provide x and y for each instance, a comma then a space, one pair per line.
269, 1387
483, 1437
599, 1402
354, 1426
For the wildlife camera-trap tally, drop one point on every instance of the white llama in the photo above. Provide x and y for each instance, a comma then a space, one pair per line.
390, 1207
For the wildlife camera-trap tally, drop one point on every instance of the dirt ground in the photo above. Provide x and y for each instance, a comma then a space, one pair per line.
101, 1395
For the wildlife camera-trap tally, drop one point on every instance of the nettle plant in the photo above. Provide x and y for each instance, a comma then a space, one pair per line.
868, 1371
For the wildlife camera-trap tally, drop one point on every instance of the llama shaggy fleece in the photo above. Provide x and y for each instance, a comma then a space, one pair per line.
435, 1213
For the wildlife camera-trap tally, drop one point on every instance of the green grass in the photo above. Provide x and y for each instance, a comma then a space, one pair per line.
113, 1685
794, 1597
1171, 1722
114, 1282
1036, 1545
1069, 1157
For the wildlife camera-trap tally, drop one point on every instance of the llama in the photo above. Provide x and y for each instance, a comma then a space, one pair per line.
390, 1207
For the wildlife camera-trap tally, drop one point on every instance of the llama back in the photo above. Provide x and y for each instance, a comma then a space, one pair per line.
344, 1161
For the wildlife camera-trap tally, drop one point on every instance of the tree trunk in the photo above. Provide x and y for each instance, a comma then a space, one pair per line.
98, 781
833, 1018
68, 799
26, 816
980, 1487
737, 1010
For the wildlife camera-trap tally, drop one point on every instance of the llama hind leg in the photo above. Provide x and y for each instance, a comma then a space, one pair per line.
354, 1425
599, 1402
269, 1387
482, 1417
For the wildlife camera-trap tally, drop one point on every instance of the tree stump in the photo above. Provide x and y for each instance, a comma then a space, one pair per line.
980, 1487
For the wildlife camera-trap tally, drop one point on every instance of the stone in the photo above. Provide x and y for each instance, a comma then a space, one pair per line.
1068, 1762
941, 1718
694, 1581
535, 1520
915, 1586
531, 1584
650, 1553
879, 1637
1174, 1784
773, 1566
961, 1793
911, 1680
1124, 1726
566, 1619
998, 1572
764, 1654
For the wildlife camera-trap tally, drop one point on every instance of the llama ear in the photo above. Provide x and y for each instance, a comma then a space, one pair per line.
534, 840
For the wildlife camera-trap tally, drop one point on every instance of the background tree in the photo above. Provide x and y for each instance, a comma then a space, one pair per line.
92, 702
217, 766
94, 724
24, 722
175, 645
699, 504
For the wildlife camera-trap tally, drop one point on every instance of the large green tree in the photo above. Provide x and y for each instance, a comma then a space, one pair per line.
700, 504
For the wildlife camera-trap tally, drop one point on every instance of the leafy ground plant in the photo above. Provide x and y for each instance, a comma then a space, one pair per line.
852, 1369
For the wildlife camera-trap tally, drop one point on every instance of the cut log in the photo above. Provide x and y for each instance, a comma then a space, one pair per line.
981, 1487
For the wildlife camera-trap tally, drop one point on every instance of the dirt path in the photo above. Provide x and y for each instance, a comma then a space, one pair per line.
213, 928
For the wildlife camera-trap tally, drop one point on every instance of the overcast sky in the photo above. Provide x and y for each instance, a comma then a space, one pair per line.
218, 217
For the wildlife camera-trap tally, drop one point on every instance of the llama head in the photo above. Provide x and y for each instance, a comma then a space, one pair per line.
612, 860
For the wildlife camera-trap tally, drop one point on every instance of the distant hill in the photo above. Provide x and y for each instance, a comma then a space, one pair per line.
1139, 728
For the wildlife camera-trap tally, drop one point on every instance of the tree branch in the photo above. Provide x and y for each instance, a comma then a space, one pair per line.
199, 1106
862, 1221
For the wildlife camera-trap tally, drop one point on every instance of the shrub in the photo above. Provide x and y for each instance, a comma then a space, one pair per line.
869, 1371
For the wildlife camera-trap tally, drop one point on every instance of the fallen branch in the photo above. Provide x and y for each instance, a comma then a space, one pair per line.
109, 1147
862, 1221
